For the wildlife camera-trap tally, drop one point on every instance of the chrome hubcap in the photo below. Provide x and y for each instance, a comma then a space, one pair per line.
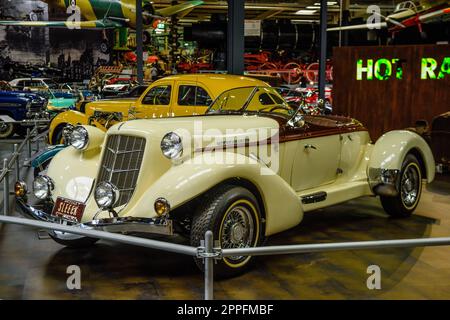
410, 186
238, 229
3, 127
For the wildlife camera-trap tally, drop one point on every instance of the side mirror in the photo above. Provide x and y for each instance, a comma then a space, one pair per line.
297, 121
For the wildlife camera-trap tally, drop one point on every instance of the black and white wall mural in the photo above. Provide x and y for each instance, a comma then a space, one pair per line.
71, 55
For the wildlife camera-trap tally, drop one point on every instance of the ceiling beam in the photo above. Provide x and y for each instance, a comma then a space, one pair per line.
268, 14
185, 13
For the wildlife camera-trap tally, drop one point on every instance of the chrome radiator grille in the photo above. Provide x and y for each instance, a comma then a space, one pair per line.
121, 163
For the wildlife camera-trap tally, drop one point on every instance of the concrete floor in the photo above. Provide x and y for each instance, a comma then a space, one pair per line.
36, 269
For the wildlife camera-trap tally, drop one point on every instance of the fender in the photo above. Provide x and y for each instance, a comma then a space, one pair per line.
74, 171
70, 180
73, 117
185, 181
391, 149
47, 154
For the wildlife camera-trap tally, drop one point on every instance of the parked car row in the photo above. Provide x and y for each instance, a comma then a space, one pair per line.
25, 99
16, 108
215, 152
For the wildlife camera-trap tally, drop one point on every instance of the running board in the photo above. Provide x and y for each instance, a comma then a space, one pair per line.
314, 197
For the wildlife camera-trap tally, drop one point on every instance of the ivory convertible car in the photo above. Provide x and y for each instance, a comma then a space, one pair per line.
246, 170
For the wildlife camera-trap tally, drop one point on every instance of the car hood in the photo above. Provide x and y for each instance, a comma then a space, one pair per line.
19, 94
213, 129
62, 102
110, 105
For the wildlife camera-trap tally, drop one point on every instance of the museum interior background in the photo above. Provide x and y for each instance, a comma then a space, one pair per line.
390, 77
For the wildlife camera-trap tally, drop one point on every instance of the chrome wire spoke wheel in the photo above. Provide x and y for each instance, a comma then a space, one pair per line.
238, 230
410, 184
232, 213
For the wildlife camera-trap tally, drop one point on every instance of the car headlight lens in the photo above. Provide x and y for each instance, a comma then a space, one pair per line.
106, 195
162, 207
79, 138
172, 146
42, 187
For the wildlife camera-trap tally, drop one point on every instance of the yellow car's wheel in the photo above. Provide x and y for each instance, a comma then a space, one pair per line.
410, 189
233, 215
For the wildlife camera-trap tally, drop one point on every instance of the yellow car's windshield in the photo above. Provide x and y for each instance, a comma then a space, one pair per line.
250, 99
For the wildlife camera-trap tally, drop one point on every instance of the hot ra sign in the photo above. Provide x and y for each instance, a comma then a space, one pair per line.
384, 69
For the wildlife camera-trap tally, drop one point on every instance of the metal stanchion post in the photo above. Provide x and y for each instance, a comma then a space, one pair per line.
209, 265
5, 188
29, 143
16, 154
36, 132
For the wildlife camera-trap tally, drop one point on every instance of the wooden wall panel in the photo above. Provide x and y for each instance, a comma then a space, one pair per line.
384, 105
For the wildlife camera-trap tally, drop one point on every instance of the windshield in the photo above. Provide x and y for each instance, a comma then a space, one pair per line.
251, 99
51, 84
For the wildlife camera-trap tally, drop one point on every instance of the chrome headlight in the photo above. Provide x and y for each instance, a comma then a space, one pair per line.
43, 187
106, 195
172, 146
79, 138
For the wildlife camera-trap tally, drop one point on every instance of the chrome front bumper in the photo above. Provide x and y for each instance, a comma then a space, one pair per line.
384, 182
124, 225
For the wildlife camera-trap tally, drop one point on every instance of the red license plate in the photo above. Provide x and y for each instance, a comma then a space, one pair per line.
68, 209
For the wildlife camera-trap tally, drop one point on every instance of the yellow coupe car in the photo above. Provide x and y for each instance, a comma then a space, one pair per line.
179, 95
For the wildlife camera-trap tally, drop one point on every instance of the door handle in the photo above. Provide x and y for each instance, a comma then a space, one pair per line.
310, 146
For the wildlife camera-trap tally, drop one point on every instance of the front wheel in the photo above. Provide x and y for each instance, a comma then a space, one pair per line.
105, 47
410, 189
233, 215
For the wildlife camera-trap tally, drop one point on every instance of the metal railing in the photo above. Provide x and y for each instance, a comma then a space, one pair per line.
206, 251
209, 254
14, 161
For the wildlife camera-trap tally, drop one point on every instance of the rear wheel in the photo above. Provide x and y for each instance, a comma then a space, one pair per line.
233, 215
6, 129
410, 189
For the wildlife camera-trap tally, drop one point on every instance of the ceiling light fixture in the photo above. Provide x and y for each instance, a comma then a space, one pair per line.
306, 12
